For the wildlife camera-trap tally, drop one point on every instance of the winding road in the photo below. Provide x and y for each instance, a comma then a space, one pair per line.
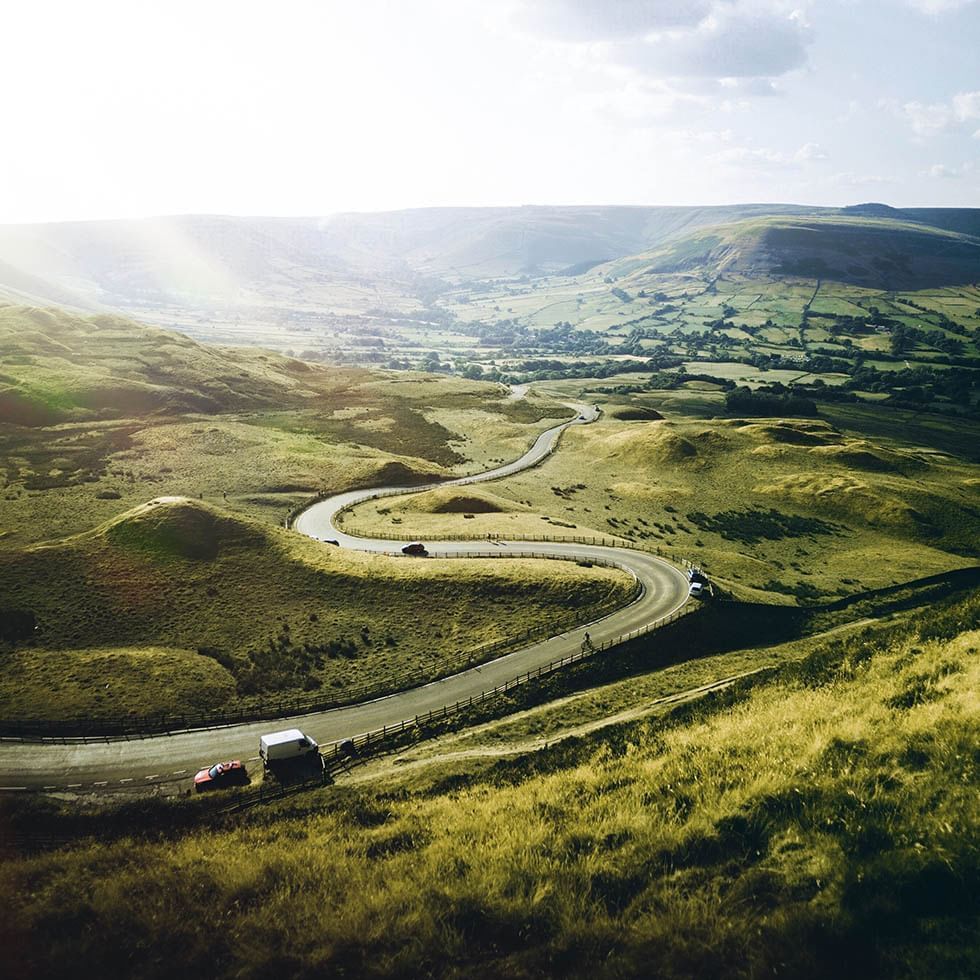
112, 764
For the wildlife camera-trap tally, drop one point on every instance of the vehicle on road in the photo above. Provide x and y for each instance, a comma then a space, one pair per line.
220, 776
286, 745
416, 548
696, 590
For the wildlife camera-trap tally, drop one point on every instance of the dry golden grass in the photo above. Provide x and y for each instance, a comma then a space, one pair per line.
241, 607
828, 817
793, 504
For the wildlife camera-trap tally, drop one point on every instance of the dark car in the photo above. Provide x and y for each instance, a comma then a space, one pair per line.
416, 548
220, 775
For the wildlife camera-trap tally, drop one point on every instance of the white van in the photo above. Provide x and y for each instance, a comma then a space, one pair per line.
290, 744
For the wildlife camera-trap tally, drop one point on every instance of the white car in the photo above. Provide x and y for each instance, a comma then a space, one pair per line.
696, 589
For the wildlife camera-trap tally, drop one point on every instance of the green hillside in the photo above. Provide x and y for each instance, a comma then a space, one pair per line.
820, 823
59, 367
870, 252
779, 510
100, 413
178, 605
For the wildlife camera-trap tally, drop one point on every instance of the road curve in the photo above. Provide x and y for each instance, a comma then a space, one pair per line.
115, 764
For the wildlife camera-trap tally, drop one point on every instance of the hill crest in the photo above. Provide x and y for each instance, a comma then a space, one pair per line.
874, 252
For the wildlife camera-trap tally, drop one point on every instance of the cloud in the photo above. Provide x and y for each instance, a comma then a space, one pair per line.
586, 20
944, 172
966, 106
859, 180
734, 42
716, 39
937, 7
927, 119
766, 158
810, 151
751, 86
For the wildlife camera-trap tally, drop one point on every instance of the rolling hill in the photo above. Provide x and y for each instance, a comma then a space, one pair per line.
873, 252
58, 366
179, 604
359, 261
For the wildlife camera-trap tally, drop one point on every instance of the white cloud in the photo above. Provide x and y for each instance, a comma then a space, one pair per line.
859, 180
735, 41
929, 118
810, 151
942, 171
586, 20
966, 106
717, 39
936, 7
767, 158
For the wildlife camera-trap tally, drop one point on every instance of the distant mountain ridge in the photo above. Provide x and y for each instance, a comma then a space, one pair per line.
221, 262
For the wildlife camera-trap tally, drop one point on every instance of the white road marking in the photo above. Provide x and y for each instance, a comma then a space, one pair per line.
49, 787
156, 775
105, 782
74, 785
12, 787
128, 779
180, 772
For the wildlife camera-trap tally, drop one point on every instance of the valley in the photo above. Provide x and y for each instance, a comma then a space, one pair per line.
191, 554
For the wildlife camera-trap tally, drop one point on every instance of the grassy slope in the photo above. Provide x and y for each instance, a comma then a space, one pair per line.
871, 252
103, 414
274, 611
763, 275
824, 822
850, 512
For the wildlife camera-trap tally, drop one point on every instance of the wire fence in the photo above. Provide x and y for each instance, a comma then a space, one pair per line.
596, 540
285, 706
343, 754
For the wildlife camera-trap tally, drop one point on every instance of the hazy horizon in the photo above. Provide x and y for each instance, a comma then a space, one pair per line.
299, 216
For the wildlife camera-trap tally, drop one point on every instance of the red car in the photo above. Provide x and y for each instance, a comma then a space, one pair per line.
220, 775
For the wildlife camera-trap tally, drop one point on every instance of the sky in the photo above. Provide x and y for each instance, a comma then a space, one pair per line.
136, 108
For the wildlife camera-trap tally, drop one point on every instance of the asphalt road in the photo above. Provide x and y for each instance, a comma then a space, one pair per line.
124, 764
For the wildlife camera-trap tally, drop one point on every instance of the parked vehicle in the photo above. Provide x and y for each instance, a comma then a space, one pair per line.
283, 746
696, 589
221, 775
416, 548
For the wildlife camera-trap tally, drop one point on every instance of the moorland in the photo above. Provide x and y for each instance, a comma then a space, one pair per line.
783, 782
